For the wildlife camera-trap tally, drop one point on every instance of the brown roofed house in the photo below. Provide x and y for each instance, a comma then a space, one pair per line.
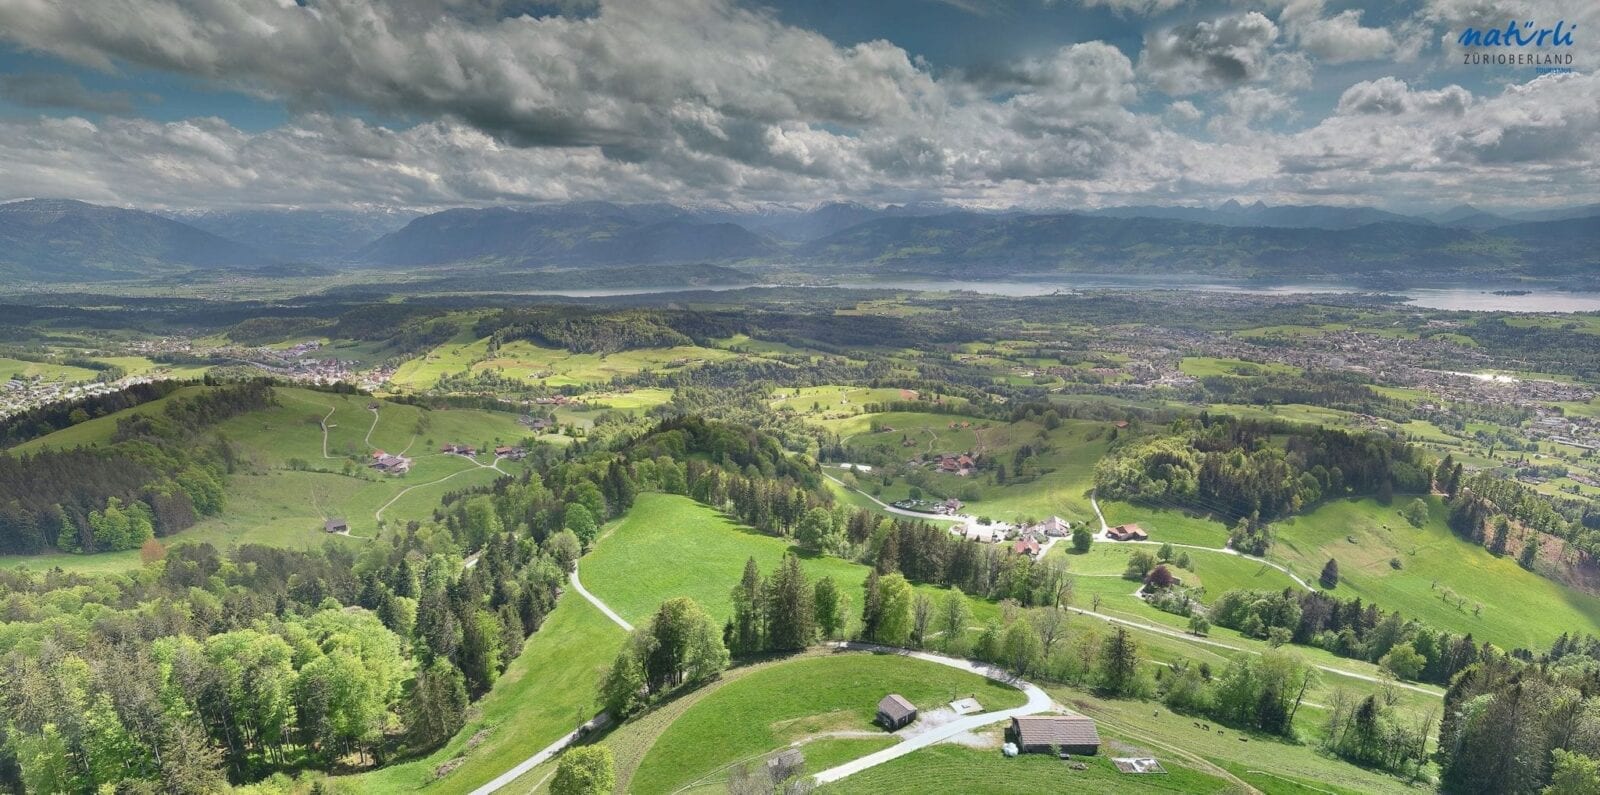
1026, 546
1127, 532
336, 526
895, 712
1041, 734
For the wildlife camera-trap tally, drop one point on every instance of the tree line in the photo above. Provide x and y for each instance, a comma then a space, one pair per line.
159, 472
1346, 627
1233, 468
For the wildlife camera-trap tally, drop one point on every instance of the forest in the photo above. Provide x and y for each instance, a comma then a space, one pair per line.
1234, 468
158, 474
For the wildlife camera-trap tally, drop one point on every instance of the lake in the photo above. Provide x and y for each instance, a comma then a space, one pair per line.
1460, 298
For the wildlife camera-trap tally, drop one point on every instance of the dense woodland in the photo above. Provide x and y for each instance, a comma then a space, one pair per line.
1238, 469
159, 472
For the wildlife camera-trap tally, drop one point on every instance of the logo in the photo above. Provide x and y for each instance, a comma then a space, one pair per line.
1526, 44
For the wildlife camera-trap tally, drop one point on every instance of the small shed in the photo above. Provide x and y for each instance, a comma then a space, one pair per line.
336, 526
894, 712
1042, 734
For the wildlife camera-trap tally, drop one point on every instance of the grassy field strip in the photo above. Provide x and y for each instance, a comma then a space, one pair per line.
323, 422
1184, 636
600, 721
1226, 551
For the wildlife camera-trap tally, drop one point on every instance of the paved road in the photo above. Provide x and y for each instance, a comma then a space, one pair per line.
600, 721
594, 724
594, 600
1038, 701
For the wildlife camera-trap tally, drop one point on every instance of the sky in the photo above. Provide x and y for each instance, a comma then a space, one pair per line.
1033, 104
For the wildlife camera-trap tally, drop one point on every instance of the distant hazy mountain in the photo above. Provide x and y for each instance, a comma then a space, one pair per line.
1559, 214
967, 242
805, 225
64, 240
572, 235
324, 236
67, 240
1232, 213
1466, 216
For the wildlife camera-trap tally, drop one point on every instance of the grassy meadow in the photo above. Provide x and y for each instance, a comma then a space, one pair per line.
795, 702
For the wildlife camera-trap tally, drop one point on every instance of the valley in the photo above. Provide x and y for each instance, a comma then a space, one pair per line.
861, 438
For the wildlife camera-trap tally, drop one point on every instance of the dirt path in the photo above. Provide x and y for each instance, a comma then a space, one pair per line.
1186, 637
324, 423
407, 490
368, 438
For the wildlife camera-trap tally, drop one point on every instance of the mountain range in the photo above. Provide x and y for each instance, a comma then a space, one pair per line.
55, 240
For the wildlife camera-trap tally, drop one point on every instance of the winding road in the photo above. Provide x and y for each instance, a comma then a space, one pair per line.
594, 600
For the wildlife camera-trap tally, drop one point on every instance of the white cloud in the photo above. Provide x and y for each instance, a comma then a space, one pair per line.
1193, 57
1391, 96
1244, 108
706, 101
1139, 7
1336, 39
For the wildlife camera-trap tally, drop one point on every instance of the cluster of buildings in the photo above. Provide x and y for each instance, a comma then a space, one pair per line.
20, 394
1065, 735
962, 464
452, 448
557, 400
390, 464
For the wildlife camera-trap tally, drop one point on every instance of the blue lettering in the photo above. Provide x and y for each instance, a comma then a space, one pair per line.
1514, 35
1564, 40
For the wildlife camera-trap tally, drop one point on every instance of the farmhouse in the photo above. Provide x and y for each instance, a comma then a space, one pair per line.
895, 712
1054, 527
1127, 532
1026, 546
1042, 734
391, 464
959, 464
336, 526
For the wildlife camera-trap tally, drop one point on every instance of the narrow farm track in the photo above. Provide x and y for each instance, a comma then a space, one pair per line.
407, 490
1188, 638
324, 423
